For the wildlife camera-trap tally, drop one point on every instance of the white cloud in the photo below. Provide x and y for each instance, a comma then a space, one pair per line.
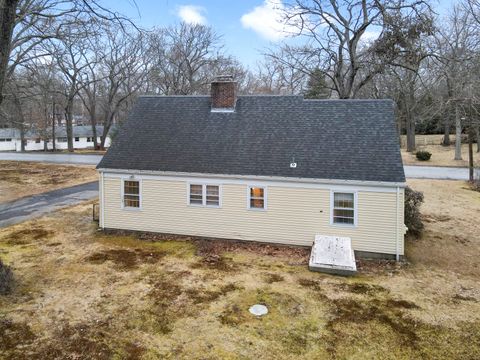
192, 14
267, 20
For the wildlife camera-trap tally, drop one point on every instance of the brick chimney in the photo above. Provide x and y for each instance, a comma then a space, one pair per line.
222, 93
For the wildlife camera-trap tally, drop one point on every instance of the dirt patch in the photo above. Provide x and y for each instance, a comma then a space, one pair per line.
126, 259
14, 335
26, 236
361, 288
401, 304
271, 278
206, 247
215, 262
232, 315
347, 313
202, 296
87, 341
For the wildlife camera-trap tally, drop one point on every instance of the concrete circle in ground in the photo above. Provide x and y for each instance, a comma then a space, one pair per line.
258, 310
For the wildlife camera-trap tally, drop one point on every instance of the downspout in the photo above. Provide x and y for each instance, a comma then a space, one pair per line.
102, 203
397, 250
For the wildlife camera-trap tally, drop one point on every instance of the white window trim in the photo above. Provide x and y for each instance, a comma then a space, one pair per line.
204, 195
122, 193
355, 208
265, 191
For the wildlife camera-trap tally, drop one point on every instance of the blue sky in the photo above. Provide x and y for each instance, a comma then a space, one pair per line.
247, 26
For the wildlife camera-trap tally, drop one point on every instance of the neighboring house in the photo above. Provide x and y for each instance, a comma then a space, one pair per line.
276, 169
10, 139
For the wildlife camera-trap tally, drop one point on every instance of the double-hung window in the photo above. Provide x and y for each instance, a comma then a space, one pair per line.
343, 211
131, 194
204, 195
257, 198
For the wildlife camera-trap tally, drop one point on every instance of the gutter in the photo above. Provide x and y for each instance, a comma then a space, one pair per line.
255, 177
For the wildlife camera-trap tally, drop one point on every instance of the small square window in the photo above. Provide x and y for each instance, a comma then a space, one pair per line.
256, 197
77, 139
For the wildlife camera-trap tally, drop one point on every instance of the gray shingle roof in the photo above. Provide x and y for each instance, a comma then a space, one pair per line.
329, 139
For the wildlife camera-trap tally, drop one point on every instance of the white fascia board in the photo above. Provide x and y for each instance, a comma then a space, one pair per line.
351, 185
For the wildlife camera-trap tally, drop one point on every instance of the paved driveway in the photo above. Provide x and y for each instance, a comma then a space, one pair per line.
421, 172
432, 172
37, 205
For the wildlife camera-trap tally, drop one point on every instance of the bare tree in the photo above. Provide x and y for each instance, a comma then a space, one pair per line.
339, 38
180, 55
123, 69
457, 44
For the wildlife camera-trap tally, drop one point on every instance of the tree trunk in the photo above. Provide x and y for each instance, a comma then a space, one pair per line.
69, 125
410, 127
7, 22
93, 123
53, 127
458, 134
446, 132
22, 138
477, 130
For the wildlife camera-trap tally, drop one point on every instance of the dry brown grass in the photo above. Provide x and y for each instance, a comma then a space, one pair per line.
441, 156
81, 293
451, 214
20, 178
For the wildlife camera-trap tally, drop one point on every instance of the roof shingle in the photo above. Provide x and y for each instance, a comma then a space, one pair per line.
328, 139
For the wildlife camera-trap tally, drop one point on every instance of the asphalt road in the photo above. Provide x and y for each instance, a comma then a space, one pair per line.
37, 205
52, 158
421, 172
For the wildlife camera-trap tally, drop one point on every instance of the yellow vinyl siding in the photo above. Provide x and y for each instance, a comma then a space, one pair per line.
293, 216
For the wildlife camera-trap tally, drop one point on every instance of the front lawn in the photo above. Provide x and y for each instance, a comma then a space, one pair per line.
24, 178
81, 293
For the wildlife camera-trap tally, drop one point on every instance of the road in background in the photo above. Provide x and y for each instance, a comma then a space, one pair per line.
419, 172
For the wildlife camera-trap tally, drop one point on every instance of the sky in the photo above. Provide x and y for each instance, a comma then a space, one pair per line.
247, 26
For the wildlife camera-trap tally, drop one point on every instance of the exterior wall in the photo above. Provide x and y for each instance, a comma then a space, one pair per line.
295, 213
81, 144
7, 145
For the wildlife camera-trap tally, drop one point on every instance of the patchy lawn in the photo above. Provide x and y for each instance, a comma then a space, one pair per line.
21, 178
81, 293
441, 156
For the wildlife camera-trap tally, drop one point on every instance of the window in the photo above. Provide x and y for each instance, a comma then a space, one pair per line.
256, 197
343, 211
8, 139
37, 141
213, 195
131, 193
77, 139
89, 139
196, 194
204, 195
62, 139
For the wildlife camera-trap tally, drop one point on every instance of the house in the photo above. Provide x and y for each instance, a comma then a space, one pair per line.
276, 169
10, 139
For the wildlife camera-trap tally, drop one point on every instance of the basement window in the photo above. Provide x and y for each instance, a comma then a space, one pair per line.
131, 194
257, 198
344, 208
204, 195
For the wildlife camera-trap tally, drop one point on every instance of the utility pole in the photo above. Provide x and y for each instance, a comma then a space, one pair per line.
471, 134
